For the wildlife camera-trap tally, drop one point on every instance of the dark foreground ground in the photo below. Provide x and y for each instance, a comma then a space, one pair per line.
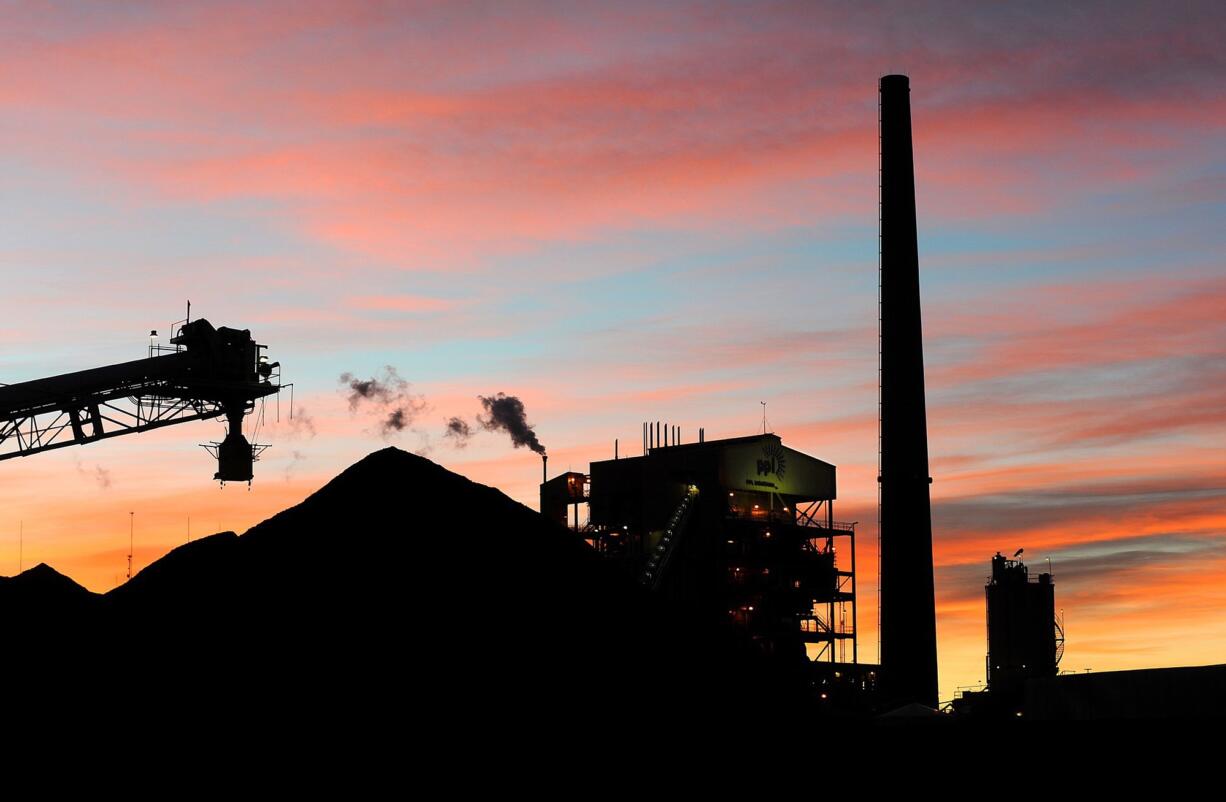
399, 594
405, 605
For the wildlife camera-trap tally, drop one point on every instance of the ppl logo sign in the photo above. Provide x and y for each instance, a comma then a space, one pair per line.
773, 462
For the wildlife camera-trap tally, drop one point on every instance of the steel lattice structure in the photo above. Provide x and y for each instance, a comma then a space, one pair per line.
209, 373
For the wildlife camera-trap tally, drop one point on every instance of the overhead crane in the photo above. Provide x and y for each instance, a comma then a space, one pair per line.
205, 373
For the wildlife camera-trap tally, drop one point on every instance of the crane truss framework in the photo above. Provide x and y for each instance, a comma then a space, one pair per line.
209, 373
104, 416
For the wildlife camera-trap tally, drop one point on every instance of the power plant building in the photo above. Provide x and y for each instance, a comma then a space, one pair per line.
742, 532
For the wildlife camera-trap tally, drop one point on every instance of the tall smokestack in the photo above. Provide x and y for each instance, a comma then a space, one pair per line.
908, 611
544, 468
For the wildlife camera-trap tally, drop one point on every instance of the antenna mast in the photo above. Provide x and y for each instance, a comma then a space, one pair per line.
131, 530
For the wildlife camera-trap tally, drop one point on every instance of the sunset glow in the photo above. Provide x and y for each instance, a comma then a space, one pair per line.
632, 211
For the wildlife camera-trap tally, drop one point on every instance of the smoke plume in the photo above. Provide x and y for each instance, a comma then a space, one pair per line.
295, 457
377, 390
397, 419
302, 424
100, 475
458, 431
506, 412
389, 395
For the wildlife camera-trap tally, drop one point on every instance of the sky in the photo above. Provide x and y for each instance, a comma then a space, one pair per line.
647, 211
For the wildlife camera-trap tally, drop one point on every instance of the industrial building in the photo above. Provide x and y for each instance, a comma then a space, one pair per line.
1025, 638
743, 530
1026, 644
1145, 693
740, 531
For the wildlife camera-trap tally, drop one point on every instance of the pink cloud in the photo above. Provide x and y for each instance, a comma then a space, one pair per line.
400, 303
1088, 323
429, 172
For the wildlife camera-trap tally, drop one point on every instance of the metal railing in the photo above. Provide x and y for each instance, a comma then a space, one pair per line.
663, 551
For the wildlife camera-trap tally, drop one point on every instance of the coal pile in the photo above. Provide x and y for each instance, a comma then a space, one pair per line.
41, 601
398, 592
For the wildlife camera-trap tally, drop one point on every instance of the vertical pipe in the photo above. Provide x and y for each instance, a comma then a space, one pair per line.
908, 613
614, 448
544, 468
855, 632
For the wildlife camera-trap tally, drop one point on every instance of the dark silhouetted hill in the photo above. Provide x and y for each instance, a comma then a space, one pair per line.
42, 584
401, 592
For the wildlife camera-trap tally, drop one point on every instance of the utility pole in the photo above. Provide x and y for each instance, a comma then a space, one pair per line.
131, 530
